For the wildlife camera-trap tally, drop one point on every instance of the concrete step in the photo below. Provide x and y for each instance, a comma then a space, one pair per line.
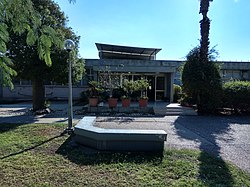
174, 109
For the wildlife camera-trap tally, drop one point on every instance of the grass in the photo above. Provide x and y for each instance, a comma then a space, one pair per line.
36, 155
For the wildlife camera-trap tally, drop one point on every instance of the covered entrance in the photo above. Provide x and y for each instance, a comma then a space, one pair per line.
134, 63
158, 87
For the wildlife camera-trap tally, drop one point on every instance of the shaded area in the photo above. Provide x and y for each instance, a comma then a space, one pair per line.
16, 114
31, 147
8, 127
212, 170
87, 156
211, 132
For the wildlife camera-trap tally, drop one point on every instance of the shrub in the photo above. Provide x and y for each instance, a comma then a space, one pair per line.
142, 86
94, 89
236, 95
84, 96
186, 100
118, 93
177, 93
202, 81
128, 87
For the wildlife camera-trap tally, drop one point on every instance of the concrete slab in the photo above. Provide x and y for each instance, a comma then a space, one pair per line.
118, 139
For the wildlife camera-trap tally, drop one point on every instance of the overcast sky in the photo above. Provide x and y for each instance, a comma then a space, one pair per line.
172, 25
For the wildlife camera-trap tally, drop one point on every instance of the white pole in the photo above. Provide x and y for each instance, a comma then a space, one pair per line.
70, 109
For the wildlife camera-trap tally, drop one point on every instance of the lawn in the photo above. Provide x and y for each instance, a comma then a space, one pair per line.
36, 155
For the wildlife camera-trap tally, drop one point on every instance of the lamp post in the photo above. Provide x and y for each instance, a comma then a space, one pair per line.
69, 45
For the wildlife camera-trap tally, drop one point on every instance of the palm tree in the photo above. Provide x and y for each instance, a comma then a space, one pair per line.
205, 26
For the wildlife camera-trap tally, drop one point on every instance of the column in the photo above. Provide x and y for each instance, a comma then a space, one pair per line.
171, 87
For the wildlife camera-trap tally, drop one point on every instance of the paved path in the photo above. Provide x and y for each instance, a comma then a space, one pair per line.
20, 113
226, 137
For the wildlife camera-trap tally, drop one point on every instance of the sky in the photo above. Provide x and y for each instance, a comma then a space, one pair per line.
172, 25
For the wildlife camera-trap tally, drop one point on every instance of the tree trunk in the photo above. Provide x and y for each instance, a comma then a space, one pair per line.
38, 94
204, 29
205, 26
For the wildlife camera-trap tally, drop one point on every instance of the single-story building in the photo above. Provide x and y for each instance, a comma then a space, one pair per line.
132, 63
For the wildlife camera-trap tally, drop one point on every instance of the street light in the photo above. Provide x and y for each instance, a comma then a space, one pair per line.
69, 45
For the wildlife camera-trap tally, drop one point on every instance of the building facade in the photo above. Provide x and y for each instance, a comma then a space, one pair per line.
132, 63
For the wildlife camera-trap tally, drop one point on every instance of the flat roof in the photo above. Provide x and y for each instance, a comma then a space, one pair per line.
109, 50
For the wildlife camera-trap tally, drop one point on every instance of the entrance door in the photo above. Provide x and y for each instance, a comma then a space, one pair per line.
160, 88
151, 89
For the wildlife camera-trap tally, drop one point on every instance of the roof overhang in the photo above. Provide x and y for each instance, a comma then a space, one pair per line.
121, 52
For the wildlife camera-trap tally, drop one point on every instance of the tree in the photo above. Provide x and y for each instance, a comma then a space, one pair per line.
28, 63
204, 30
200, 76
202, 81
22, 17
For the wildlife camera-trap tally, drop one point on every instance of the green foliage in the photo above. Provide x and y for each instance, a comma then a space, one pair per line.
187, 100
177, 92
16, 12
128, 87
236, 95
41, 151
27, 49
34, 50
84, 97
202, 81
22, 16
109, 80
142, 86
6, 72
118, 93
95, 89
31, 37
4, 37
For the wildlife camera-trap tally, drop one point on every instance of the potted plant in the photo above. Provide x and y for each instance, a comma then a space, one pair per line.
128, 87
109, 82
142, 85
94, 90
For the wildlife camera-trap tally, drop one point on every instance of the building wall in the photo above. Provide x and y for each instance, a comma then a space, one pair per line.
144, 68
52, 92
125, 65
229, 71
235, 71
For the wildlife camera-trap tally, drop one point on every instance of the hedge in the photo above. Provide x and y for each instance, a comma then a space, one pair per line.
236, 95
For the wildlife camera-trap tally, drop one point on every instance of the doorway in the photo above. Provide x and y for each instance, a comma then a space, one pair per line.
151, 89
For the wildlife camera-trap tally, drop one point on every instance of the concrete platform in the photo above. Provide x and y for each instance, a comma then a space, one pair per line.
118, 139
158, 108
173, 109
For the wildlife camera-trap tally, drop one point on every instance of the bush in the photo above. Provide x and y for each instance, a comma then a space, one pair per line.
187, 100
118, 93
202, 82
84, 96
177, 93
236, 95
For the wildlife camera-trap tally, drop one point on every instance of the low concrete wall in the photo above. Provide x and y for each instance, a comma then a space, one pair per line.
118, 139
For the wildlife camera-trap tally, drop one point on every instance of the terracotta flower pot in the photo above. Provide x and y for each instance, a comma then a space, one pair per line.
143, 102
126, 102
93, 101
112, 102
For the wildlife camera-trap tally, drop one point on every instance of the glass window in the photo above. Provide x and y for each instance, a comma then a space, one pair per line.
160, 83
